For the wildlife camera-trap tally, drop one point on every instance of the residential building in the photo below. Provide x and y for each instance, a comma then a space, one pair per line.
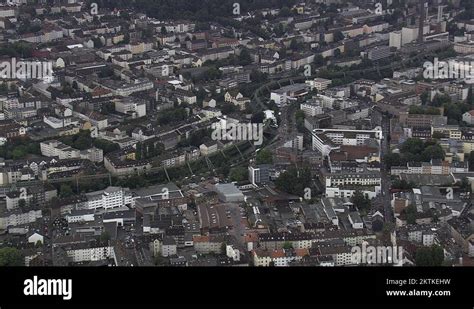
111, 197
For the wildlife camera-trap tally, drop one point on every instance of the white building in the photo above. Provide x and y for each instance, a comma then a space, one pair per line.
345, 184
355, 220
468, 117
208, 148
54, 148
415, 235
112, 197
289, 93
258, 174
326, 140
35, 237
296, 142
366, 178
349, 191
130, 107
319, 83
17, 219
395, 39
83, 215
323, 144
126, 89
409, 34
92, 154
260, 259
91, 254
232, 253
168, 247
58, 123
311, 109
228, 192
464, 47
428, 239
461, 92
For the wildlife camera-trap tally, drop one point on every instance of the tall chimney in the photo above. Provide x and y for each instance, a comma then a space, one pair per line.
440, 12
422, 21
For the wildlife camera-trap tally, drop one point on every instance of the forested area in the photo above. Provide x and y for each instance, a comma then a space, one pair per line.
204, 10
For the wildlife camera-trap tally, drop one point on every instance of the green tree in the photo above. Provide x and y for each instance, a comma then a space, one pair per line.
438, 135
424, 97
470, 96
244, 57
387, 230
455, 110
318, 60
227, 108
377, 226
11, 257
294, 45
440, 100
338, 36
279, 30
402, 184
22, 203
412, 145
432, 152
257, 76
139, 151
423, 110
97, 43
471, 160
465, 185
104, 237
238, 174
105, 145
65, 191
416, 150
299, 117
3, 88
361, 201
284, 12
429, 256
287, 245
294, 181
257, 117
18, 153
159, 260
393, 159
411, 213
82, 142
264, 156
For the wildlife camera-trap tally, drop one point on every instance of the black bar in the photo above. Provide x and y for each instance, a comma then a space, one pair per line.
240, 285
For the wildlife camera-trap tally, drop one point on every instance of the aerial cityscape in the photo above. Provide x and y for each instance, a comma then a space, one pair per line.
236, 133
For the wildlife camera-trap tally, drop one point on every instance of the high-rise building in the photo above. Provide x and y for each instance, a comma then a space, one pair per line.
259, 174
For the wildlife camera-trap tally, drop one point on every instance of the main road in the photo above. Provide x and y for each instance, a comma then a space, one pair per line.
385, 175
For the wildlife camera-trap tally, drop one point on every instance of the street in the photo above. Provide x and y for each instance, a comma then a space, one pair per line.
385, 176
